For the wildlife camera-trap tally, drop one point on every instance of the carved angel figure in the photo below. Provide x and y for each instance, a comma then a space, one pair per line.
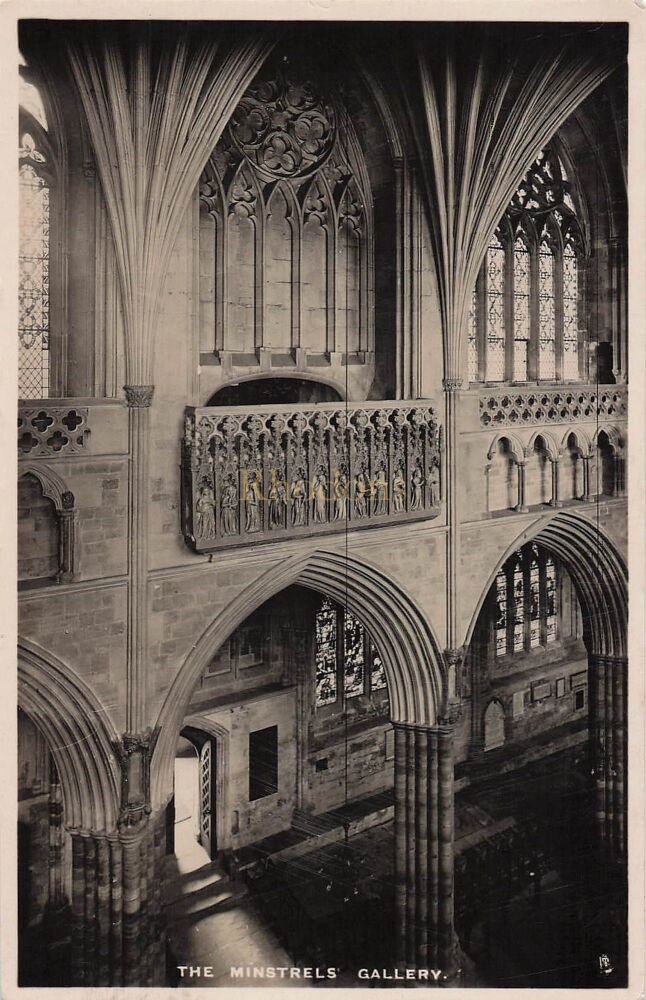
252, 506
277, 497
205, 510
319, 493
417, 481
340, 491
229, 509
381, 487
399, 491
298, 494
433, 485
360, 501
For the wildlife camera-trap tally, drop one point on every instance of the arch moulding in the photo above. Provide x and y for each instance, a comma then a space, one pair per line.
410, 652
596, 568
80, 735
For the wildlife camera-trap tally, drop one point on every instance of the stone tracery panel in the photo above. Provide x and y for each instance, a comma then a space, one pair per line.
265, 474
52, 430
551, 406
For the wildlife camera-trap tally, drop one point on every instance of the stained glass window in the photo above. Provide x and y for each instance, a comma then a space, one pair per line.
534, 602
326, 674
519, 608
546, 313
377, 672
570, 313
473, 337
33, 288
501, 613
521, 309
495, 310
550, 598
354, 641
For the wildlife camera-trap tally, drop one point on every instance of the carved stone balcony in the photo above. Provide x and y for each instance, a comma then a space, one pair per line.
266, 473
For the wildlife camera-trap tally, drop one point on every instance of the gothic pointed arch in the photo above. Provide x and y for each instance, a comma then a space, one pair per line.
549, 443
597, 570
411, 655
80, 733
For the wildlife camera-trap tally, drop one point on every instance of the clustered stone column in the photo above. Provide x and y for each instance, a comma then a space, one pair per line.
56, 924
586, 477
521, 505
117, 937
555, 501
608, 713
424, 848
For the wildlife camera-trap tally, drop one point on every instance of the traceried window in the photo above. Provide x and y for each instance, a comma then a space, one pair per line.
534, 602
353, 656
550, 599
326, 654
521, 309
518, 641
33, 288
570, 312
501, 613
546, 313
529, 619
495, 278
286, 223
473, 337
531, 285
347, 663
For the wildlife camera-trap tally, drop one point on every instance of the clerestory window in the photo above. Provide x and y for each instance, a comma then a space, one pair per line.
525, 318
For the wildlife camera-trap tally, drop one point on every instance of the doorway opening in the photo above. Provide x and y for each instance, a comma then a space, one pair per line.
193, 820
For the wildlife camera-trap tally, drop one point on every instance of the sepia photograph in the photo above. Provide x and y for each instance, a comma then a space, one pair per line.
322, 489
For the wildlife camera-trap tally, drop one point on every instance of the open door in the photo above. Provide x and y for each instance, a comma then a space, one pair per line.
207, 800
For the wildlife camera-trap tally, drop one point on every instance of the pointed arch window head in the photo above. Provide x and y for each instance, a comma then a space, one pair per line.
540, 305
33, 271
290, 264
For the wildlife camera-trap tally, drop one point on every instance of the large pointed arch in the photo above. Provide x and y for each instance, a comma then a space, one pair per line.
597, 570
408, 647
81, 737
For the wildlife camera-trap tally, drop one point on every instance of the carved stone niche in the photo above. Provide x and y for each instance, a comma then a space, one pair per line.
55, 489
282, 472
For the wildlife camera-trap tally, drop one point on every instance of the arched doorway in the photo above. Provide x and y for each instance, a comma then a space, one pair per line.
193, 819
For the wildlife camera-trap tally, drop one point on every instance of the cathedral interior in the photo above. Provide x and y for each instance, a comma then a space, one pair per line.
322, 517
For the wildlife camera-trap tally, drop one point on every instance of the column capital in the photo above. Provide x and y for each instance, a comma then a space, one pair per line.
452, 384
139, 395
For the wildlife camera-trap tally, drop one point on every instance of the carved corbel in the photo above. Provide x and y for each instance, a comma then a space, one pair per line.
134, 754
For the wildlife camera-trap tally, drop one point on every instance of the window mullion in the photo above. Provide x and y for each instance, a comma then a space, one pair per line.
509, 305
533, 353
